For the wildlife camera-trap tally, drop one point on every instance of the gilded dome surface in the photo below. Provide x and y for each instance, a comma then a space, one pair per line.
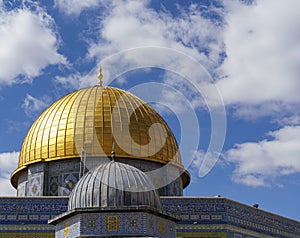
94, 118
114, 184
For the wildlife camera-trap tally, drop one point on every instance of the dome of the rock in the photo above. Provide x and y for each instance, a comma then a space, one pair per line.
95, 118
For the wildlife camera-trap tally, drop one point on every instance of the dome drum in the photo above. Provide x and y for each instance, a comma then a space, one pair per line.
59, 177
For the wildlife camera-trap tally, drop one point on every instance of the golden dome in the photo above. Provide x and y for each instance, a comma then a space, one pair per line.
95, 118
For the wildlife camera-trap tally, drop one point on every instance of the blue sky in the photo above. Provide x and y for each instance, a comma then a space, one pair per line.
246, 56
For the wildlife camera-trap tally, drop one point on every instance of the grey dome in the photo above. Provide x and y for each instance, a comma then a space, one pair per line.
114, 184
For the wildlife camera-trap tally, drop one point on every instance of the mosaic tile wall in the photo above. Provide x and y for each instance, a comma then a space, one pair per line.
118, 224
216, 230
35, 184
49, 179
27, 235
160, 227
193, 211
197, 215
20, 207
63, 175
21, 191
69, 228
59, 177
28, 217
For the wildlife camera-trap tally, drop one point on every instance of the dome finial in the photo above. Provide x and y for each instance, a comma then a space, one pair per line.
100, 76
113, 152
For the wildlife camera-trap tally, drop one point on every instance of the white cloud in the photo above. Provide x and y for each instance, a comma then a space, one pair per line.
135, 25
8, 162
292, 120
259, 163
262, 43
196, 165
78, 80
71, 81
28, 44
276, 109
191, 94
6, 188
198, 160
75, 7
259, 77
131, 24
32, 105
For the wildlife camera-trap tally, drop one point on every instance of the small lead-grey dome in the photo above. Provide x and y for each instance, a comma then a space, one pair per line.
114, 184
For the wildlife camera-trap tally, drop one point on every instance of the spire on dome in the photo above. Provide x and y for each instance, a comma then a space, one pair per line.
100, 76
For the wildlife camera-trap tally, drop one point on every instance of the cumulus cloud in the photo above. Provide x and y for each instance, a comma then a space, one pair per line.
262, 44
32, 105
8, 162
79, 80
291, 120
75, 7
279, 111
259, 75
260, 163
131, 24
190, 92
28, 44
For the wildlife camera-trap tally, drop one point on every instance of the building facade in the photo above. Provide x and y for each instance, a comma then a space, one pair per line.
70, 185
196, 217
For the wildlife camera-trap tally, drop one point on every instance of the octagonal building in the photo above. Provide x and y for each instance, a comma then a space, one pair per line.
100, 162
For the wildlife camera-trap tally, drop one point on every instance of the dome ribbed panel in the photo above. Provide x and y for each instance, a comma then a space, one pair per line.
114, 184
85, 117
